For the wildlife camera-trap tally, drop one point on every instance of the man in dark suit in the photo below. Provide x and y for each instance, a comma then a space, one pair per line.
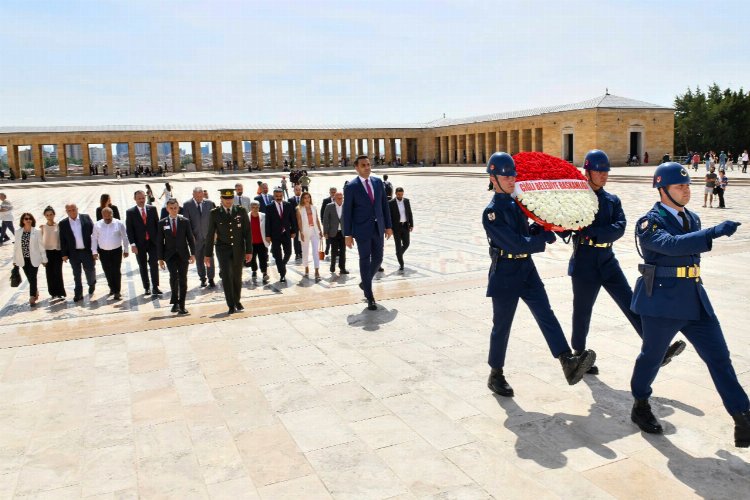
198, 210
323, 204
263, 198
141, 223
175, 246
333, 230
403, 223
229, 232
75, 246
281, 226
366, 219
294, 201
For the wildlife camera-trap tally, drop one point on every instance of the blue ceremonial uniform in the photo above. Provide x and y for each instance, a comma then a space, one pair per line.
513, 276
679, 304
593, 265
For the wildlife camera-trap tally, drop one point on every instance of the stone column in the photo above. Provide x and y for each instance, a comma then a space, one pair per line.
308, 152
361, 147
352, 150
110, 158
479, 147
13, 160
86, 159
316, 145
218, 155
335, 155
290, 149
344, 151
37, 156
327, 153
279, 153
176, 160
272, 152
197, 155
261, 160
388, 146
444, 149
298, 152
254, 153
404, 150
62, 160
237, 154
371, 150
154, 152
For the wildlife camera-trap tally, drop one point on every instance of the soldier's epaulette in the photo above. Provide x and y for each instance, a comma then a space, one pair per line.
647, 223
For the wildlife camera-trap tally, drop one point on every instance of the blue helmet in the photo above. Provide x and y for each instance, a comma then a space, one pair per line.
670, 173
596, 160
501, 164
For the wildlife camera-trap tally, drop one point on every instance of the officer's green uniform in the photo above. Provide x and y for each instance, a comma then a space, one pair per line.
230, 233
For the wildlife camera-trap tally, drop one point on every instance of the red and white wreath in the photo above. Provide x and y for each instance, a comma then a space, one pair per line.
553, 193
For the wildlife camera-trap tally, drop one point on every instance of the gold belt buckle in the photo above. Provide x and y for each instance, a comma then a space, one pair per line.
521, 255
694, 271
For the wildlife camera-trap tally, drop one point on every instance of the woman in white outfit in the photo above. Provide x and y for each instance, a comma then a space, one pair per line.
310, 233
29, 254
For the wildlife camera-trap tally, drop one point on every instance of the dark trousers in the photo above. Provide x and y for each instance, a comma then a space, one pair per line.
260, 257
277, 245
31, 272
297, 246
585, 291
706, 336
401, 237
178, 269
111, 261
230, 271
148, 261
504, 305
6, 226
82, 260
720, 194
370, 258
338, 251
200, 254
55, 284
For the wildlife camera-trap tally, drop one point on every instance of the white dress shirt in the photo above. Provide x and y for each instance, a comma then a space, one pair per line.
401, 210
109, 236
339, 212
75, 226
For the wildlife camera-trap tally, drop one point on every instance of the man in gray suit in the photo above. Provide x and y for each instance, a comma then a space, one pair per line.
198, 210
239, 199
332, 230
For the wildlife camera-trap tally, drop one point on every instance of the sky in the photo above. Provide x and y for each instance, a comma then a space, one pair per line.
331, 62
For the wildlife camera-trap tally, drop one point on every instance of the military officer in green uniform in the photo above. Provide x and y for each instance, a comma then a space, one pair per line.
229, 231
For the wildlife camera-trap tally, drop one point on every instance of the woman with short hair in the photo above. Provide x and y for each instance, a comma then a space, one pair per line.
29, 253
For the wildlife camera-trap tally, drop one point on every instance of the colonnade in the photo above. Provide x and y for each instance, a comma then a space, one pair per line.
478, 146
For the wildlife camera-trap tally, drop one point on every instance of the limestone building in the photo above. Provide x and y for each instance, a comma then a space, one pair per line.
620, 126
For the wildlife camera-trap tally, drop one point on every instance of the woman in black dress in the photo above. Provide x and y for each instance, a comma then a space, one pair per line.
51, 244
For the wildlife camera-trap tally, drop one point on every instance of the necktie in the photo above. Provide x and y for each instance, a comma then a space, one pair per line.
143, 216
281, 211
200, 208
685, 223
174, 227
369, 191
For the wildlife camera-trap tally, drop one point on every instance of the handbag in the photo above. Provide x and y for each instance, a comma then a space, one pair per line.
321, 250
15, 276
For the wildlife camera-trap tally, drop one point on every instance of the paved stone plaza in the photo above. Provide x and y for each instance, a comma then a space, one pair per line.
308, 395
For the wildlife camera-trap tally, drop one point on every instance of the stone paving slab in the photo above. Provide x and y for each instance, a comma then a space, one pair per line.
309, 395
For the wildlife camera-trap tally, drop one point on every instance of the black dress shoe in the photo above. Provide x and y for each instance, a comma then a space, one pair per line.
211, 284
644, 418
498, 384
182, 310
673, 351
361, 286
371, 305
175, 308
575, 366
266, 279
742, 429
147, 292
231, 310
78, 298
203, 283
117, 296
157, 291
92, 288
282, 279
591, 371
381, 270
343, 271
239, 307
333, 269
401, 268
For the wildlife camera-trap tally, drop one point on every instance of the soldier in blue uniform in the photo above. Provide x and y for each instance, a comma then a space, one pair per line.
513, 276
670, 297
593, 264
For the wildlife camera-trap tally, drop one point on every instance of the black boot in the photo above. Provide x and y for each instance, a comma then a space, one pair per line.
644, 418
742, 429
498, 384
575, 366
673, 351
591, 371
